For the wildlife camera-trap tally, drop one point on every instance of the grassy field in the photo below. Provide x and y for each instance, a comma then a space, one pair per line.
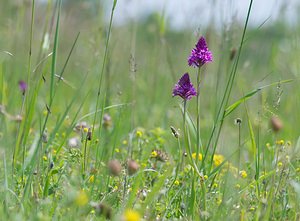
89, 129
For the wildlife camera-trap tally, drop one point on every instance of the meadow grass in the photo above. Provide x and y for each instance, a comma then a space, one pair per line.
93, 132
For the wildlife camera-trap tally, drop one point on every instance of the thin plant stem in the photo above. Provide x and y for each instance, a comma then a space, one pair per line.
101, 73
198, 115
221, 112
192, 199
104, 61
239, 148
28, 75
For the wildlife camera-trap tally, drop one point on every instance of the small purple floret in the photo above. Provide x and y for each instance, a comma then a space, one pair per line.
22, 86
184, 88
200, 54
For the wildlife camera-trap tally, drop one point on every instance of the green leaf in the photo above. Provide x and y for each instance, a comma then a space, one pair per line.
233, 106
241, 100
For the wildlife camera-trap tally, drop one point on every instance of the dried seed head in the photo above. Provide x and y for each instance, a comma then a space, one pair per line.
132, 167
232, 54
89, 134
174, 132
276, 124
238, 121
159, 155
114, 167
51, 165
45, 137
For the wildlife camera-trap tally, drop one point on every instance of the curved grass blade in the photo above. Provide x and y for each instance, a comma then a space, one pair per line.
233, 106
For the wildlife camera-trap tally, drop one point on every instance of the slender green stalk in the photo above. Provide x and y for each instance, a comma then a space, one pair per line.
30, 42
102, 72
104, 61
198, 116
239, 146
84, 157
54, 57
53, 69
221, 112
42, 52
25, 100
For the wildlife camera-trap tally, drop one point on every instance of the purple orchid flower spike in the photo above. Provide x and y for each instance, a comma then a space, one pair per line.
22, 86
184, 88
200, 54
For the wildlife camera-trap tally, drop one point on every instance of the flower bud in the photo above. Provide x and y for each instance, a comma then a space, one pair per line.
276, 124
114, 167
132, 167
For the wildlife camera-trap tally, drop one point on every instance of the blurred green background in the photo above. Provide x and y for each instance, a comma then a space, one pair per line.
147, 55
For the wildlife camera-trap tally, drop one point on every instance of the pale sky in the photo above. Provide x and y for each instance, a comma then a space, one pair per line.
197, 13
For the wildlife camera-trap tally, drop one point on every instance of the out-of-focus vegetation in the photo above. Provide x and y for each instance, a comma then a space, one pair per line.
58, 173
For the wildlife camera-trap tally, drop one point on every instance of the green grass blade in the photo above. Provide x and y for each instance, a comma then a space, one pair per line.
54, 56
233, 106
241, 100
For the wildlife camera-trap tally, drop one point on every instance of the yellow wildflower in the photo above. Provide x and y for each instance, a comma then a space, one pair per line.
125, 142
218, 159
45, 158
287, 157
139, 133
280, 142
279, 164
176, 182
252, 208
81, 199
85, 130
215, 185
154, 154
219, 201
243, 174
131, 215
199, 156
92, 179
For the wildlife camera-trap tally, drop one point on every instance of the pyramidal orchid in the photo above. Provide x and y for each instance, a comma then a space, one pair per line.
184, 88
200, 54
